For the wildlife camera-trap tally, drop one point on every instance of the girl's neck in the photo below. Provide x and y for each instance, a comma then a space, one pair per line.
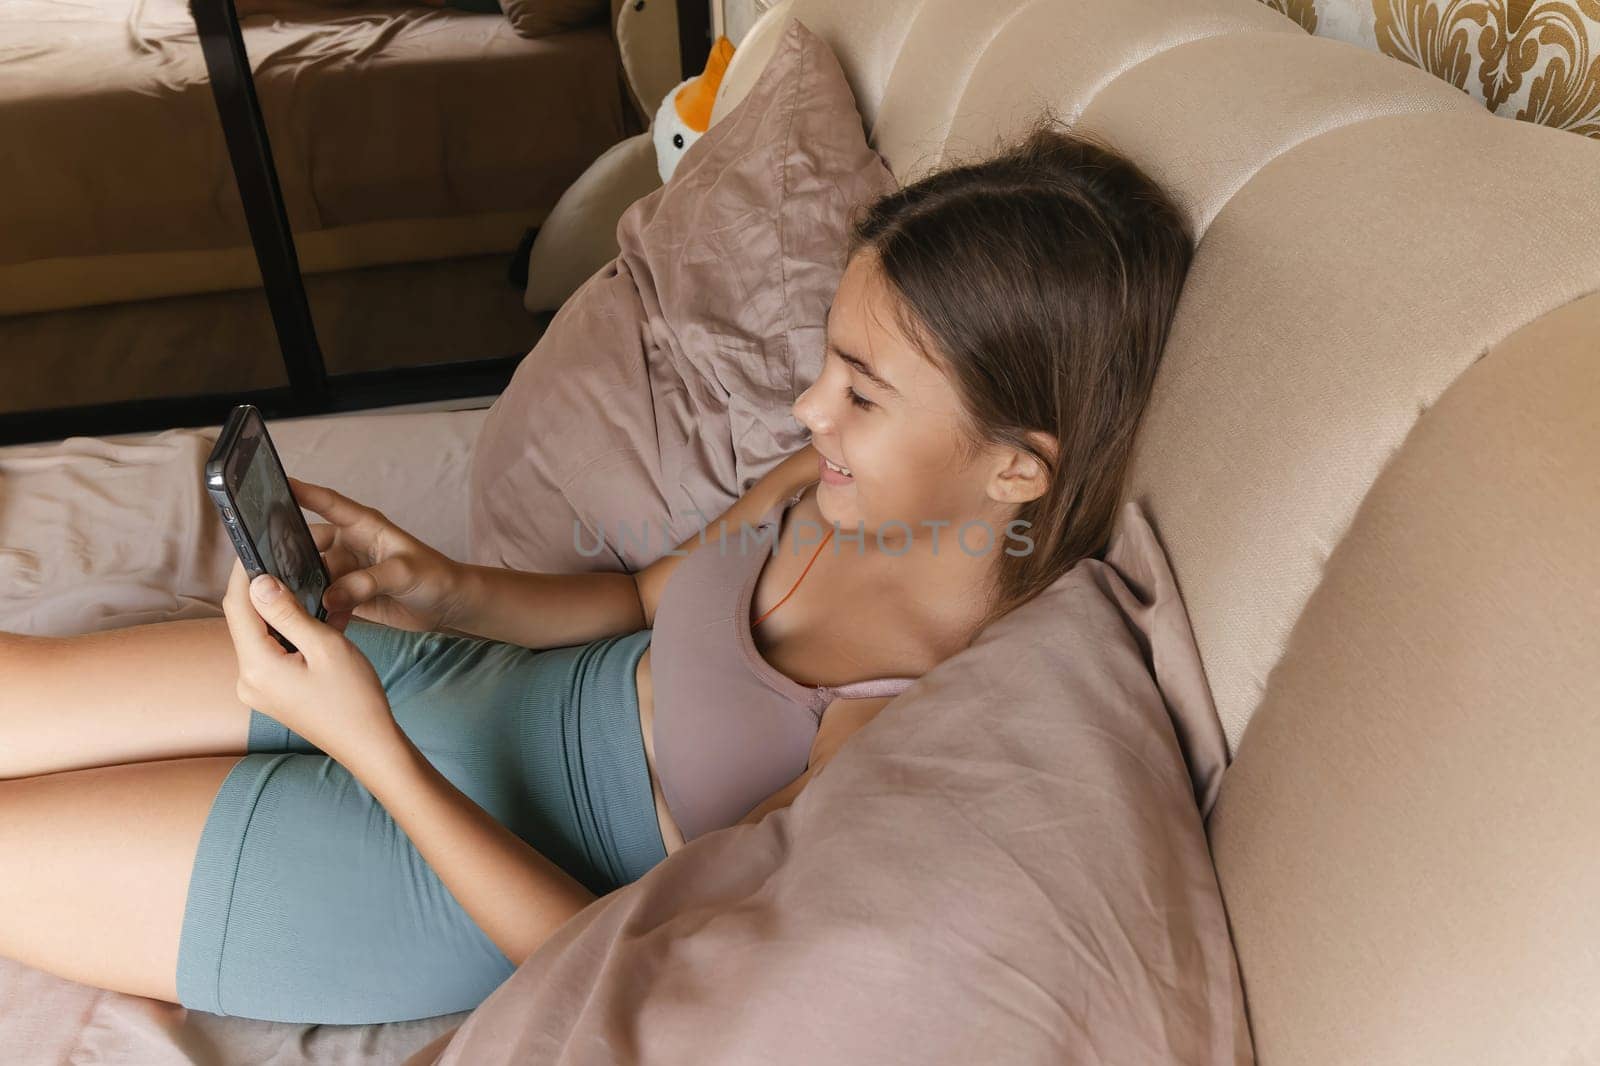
943, 590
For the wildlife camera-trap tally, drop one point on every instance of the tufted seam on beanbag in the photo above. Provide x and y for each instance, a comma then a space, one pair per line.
1094, 94
1288, 149
975, 60
977, 56
1423, 404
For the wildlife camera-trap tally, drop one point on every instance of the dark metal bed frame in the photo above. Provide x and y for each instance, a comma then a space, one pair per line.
311, 389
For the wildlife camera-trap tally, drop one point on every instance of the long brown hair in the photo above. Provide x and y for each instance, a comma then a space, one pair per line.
1042, 281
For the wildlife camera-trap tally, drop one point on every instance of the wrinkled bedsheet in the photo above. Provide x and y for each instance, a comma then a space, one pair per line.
97, 533
382, 111
45, 1021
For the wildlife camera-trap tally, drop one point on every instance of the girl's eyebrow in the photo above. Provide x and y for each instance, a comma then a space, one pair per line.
861, 365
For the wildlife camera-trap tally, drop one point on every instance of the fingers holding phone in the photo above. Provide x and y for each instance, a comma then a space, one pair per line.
337, 557
246, 481
338, 561
377, 570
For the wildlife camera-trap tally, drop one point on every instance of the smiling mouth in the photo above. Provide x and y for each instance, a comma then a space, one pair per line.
836, 467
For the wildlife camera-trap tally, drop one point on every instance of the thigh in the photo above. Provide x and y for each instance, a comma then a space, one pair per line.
415, 668
144, 693
97, 865
310, 905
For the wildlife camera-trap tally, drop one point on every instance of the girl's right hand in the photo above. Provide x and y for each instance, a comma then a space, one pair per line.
377, 571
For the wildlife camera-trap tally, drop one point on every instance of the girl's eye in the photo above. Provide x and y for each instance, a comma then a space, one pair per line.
857, 399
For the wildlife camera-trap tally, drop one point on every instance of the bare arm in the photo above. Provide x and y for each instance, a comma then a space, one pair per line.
384, 574
550, 610
545, 610
514, 894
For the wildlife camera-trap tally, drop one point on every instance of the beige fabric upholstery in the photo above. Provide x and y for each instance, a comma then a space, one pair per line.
1405, 840
1369, 234
1312, 337
647, 39
580, 235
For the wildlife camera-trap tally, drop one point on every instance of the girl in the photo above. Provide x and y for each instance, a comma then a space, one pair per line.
386, 823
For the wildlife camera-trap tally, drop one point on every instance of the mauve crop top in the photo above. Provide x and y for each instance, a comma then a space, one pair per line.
729, 728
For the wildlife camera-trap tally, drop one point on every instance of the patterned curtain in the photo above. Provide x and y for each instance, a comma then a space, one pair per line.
1534, 60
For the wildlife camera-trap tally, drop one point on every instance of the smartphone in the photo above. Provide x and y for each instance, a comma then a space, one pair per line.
245, 479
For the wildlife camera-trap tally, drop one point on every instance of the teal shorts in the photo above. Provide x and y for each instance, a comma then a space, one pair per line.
308, 904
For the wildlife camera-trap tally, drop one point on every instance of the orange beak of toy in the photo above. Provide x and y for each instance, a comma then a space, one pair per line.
694, 100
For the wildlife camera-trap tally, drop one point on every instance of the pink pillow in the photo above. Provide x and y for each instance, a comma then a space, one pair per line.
1008, 864
661, 391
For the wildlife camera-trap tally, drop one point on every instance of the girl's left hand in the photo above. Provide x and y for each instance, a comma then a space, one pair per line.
327, 691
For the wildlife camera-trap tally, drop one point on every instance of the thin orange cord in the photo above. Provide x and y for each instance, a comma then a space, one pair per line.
797, 581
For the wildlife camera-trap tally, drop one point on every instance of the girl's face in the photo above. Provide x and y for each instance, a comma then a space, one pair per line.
881, 410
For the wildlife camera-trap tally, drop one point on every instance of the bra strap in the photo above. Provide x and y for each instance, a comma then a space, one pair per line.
878, 686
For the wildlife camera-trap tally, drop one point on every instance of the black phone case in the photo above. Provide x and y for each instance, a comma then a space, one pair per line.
245, 421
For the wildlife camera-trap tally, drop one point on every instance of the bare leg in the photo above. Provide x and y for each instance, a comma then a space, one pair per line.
97, 869
159, 691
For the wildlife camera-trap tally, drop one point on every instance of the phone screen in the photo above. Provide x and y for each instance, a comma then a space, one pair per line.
271, 518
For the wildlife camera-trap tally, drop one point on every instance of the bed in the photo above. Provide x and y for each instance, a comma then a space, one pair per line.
415, 146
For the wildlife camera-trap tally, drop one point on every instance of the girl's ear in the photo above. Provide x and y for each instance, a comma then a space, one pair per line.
1024, 477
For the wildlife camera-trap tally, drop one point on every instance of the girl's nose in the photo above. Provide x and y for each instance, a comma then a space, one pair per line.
811, 412
804, 410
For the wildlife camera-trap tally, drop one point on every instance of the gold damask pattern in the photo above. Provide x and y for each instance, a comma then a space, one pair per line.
1302, 11
1535, 60
1556, 49
1450, 40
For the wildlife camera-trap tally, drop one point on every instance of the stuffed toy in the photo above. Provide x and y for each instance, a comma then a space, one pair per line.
685, 112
